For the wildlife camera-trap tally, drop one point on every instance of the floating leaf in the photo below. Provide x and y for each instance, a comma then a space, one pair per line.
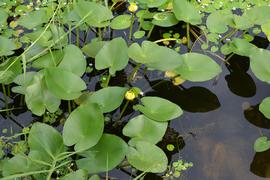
64, 84
51, 59
15, 165
9, 70
217, 22
259, 63
3, 16
265, 107
96, 15
147, 157
142, 128
266, 29
46, 140
6, 46
261, 144
152, 3
78, 175
159, 109
105, 155
33, 19
139, 34
73, 60
84, 127
38, 98
155, 56
93, 48
113, 55
198, 67
164, 19
121, 22
108, 98
186, 11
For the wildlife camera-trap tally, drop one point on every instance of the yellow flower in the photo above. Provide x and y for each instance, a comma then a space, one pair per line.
178, 80
13, 24
170, 74
132, 7
130, 95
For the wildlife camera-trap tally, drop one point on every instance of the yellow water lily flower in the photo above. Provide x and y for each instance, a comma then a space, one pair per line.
170, 74
130, 95
178, 80
132, 7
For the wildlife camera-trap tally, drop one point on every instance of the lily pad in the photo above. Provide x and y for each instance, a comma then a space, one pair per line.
105, 155
121, 22
158, 109
84, 127
261, 144
147, 157
265, 107
141, 128
113, 55
64, 84
198, 67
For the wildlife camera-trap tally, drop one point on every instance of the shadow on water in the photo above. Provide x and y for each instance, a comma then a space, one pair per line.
261, 164
193, 99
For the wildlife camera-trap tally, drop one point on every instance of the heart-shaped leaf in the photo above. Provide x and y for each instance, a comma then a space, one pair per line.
198, 67
259, 63
147, 157
155, 56
164, 19
105, 155
78, 175
121, 22
141, 128
46, 140
51, 59
84, 127
113, 55
6, 46
73, 60
64, 84
159, 109
265, 107
261, 144
186, 11
108, 98
93, 48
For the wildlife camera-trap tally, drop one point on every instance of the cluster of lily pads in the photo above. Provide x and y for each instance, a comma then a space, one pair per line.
45, 55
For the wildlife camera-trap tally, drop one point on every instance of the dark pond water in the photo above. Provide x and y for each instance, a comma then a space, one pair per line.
220, 123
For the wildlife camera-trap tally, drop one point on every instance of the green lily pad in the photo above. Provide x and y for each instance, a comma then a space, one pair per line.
259, 63
155, 56
84, 127
186, 11
141, 128
6, 46
152, 3
64, 84
147, 157
108, 98
121, 22
73, 60
91, 49
261, 144
46, 140
113, 55
164, 19
78, 175
8, 74
48, 60
198, 67
34, 19
158, 109
265, 107
105, 155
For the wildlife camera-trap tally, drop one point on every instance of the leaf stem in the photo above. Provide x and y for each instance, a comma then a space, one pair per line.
188, 36
134, 72
131, 26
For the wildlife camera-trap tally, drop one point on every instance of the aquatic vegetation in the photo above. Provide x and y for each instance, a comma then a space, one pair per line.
49, 49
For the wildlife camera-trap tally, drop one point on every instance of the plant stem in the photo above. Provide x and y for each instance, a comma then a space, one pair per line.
150, 31
108, 80
122, 112
69, 107
51, 170
188, 36
134, 72
131, 26
77, 37
5, 95
165, 39
228, 35
24, 174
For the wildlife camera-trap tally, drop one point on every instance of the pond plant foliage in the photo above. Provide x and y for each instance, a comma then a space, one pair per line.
46, 56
